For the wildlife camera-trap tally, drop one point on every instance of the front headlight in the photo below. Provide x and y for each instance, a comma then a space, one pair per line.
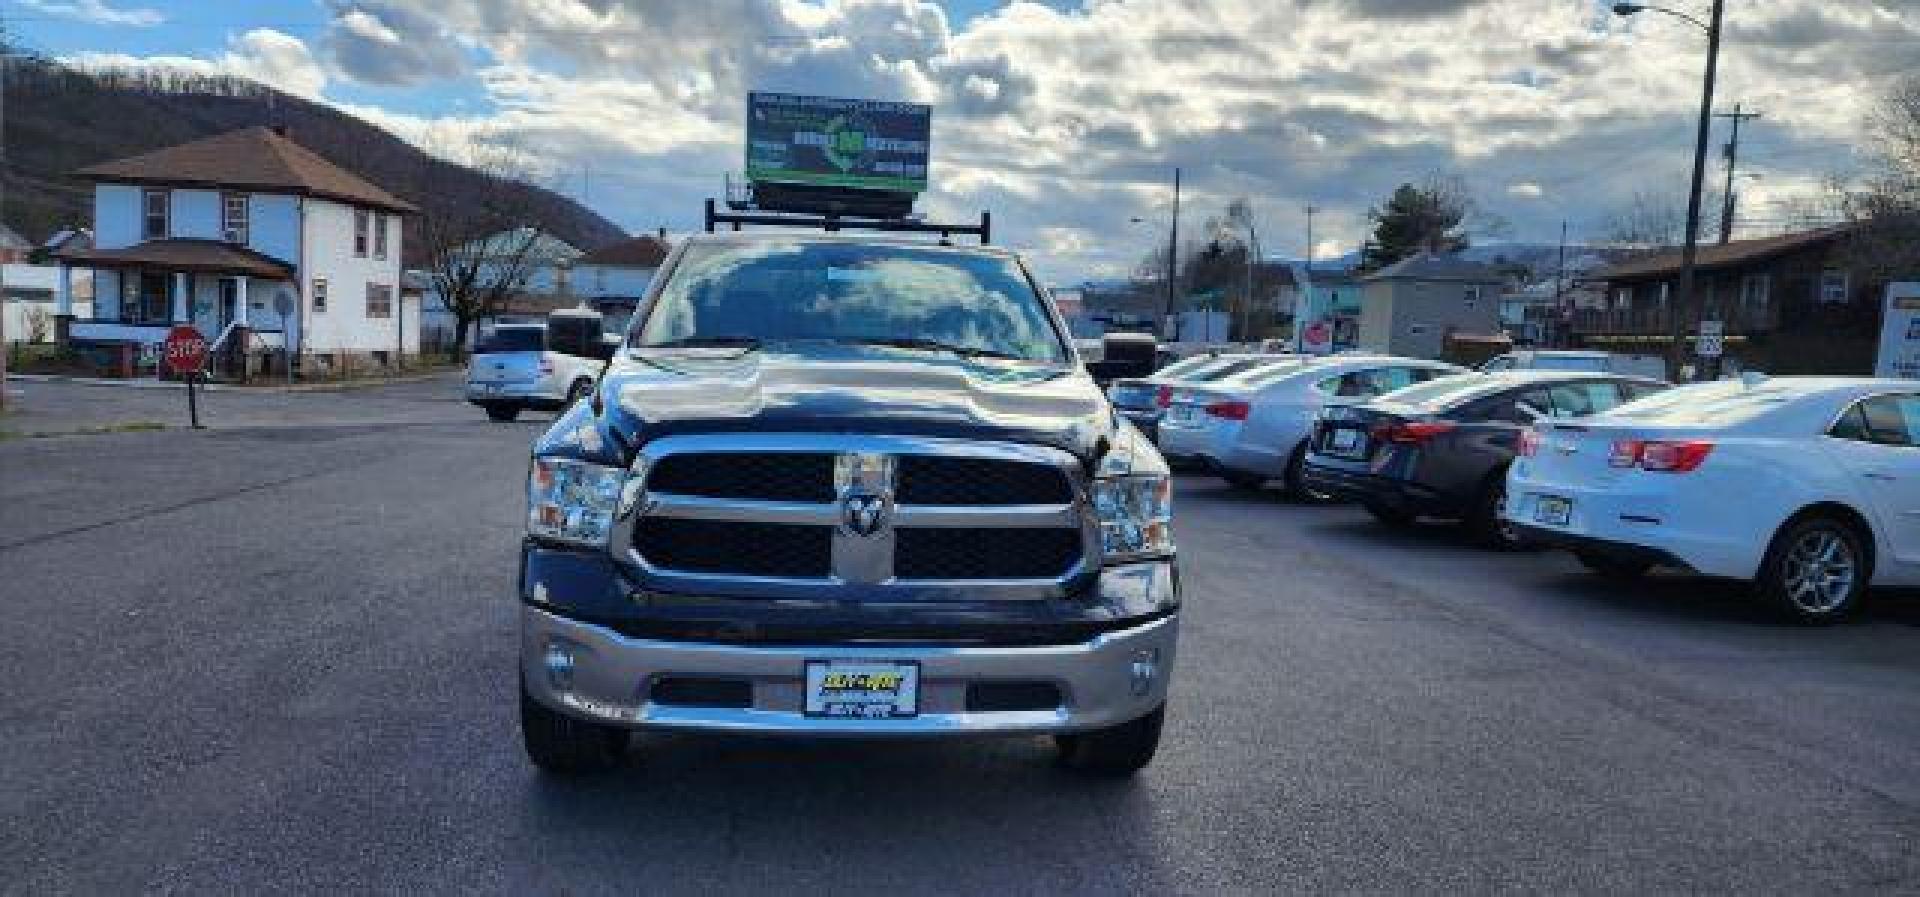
573, 501
1136, 515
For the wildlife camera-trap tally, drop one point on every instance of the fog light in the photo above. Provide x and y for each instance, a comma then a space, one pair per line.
559, 663
1144, 670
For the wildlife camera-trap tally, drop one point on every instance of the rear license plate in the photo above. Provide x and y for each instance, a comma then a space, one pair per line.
1552, 510
863, 689
1185, 414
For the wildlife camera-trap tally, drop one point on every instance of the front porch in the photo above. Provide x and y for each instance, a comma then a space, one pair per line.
245, 304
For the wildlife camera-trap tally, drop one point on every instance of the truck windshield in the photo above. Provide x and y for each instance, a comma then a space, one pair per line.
773, 291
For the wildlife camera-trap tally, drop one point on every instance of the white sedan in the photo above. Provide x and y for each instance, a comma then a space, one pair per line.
1807, 486
1253, 427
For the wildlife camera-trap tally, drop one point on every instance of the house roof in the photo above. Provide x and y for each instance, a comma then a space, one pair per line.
256, 158
646, 251
1666, 263
531, 243
197, 256
1427, 266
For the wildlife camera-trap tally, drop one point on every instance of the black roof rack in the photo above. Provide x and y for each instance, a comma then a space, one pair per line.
831, 221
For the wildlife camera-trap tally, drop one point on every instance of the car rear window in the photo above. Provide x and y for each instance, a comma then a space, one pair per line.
1268, 373
1720, 403
1187, 366
1232, 367
514, 339
1443, 391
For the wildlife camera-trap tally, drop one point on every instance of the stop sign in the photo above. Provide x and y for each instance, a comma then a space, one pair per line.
186, 350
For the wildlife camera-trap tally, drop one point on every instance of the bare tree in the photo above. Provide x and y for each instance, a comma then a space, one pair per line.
1885, 209
1650, 222
481, 253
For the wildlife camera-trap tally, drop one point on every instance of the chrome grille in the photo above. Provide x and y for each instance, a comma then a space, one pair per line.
899, 518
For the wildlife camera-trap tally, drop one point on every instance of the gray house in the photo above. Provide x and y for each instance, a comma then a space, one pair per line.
1410, 307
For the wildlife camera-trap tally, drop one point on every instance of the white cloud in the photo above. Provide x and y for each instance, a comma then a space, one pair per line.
1525, 191
96, 12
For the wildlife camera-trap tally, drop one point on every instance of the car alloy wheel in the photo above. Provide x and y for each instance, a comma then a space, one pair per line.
1819, 571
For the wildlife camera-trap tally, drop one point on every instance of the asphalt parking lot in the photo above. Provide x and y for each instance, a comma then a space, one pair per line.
279, 654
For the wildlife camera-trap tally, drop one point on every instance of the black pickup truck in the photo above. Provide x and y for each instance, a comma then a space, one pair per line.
837, 486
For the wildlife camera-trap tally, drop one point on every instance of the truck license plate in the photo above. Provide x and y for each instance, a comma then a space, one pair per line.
863, 689
1552, 510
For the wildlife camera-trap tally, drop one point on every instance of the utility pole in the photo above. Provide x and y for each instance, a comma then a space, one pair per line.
1246, 305
1303, 307
1686, 312
1733, 161
1560, 314
1173, 253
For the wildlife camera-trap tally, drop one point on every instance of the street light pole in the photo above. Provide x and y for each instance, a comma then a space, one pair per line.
1173, 253
1685, 314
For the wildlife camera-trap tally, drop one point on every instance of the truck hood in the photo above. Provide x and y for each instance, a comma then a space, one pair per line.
850, 389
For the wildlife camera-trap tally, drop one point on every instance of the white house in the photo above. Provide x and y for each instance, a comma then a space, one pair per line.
253, 238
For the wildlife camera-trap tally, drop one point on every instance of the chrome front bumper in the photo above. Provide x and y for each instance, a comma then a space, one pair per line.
1101, 681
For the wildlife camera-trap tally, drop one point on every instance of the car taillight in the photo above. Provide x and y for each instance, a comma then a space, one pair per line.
1660, 455
1229, 410
1529, 443
1164, 397
1414, 431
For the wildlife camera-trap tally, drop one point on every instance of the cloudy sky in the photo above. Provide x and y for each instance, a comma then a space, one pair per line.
1066, 118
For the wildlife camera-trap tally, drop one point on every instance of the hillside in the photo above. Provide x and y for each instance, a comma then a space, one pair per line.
59, 120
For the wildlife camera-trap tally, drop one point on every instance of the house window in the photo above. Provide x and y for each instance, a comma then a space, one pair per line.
319, 294
361, 224
1754, 292
154, 205
1472, 296
233, 217
1623, 297
1833, 285
379, 301
380, 235
1665, 290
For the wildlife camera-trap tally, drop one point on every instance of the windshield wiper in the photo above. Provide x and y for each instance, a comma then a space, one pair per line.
931, 345
747, 343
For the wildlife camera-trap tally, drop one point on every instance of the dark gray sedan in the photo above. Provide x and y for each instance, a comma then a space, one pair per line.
1441, 449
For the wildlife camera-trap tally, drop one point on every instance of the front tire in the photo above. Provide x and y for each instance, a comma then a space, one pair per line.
503, 414
1487, 526
1120, 750
1816, 571
1295, 479
562, 745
